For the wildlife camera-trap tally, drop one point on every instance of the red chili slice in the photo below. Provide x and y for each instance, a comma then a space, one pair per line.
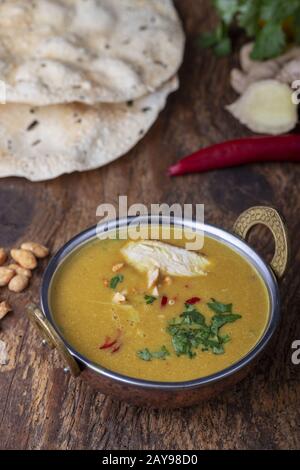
116, 348
108, 343
164, 301
193, 300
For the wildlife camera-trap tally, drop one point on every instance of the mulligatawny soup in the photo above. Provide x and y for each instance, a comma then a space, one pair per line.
150, 309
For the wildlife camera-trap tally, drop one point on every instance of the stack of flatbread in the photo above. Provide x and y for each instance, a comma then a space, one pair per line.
84, 80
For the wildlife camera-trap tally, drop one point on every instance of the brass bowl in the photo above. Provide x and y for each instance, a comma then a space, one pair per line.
171, 394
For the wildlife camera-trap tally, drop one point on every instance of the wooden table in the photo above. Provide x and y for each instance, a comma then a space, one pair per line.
40, 406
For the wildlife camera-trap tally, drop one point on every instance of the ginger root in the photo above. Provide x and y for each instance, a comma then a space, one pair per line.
284, 68
290, 72
266, 107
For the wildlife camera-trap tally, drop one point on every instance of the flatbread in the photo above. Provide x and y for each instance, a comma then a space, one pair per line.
90, 51
44, 142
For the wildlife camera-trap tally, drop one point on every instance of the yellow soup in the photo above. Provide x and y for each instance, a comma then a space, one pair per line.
144, 322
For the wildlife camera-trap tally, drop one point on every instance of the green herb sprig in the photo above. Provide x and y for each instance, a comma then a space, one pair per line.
149, 299
147, 355
262, 20
116, 280
190, 330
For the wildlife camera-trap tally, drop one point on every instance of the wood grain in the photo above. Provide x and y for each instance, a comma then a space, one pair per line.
41, 407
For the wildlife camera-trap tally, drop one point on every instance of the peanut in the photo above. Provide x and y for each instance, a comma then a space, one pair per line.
19, 270
117, 267
40, 251
4, 309
118, 298
24, 258
6, 275
18, 283
3, 256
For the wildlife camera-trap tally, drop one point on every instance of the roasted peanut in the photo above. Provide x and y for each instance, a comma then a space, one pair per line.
168, 280
117, 267
18, 283
3, 256
6, 275
19, 270
40, 251
119, 298
24, 258
4, 309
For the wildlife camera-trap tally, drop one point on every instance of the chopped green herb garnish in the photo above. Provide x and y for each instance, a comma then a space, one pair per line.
218, 321
219, 307
146, 355
263, 21
190, 331
191, 315
115, 281
150, 299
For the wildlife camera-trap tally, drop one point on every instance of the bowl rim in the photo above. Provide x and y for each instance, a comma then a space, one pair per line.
225, 236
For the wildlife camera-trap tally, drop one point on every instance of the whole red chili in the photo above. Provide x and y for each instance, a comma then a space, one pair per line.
282, 148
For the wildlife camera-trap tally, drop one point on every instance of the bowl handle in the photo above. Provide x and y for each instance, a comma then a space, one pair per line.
271, 219
52, 338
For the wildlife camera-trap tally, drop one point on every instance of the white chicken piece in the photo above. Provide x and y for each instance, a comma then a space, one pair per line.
147, 256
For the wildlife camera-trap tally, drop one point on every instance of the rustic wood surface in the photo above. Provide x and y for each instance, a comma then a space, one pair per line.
40, 406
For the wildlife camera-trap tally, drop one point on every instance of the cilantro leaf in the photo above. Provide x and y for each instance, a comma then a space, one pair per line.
115, 281
209, 39
223, 47
149, 299
218, 39
191, 315
263, 22
276, 11
220, 320
227, 9
161, 354
270, 42
219, 307
296, 26
190, 331
249, 16
146, 355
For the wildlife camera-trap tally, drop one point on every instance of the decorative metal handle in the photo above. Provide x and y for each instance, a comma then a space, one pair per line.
271, 219
52, 338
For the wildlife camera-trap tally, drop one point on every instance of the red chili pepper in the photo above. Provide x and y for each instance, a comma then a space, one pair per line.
116, 348
193, 300
284, 148
108, 343
164, 301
